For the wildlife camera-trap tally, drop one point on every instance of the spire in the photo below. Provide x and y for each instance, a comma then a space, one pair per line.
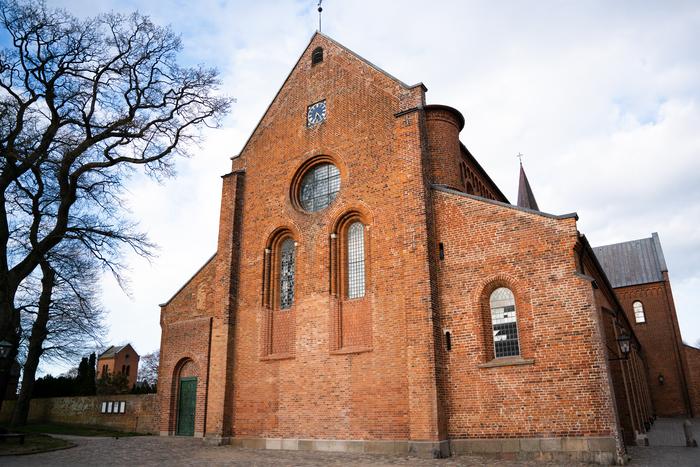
526, 199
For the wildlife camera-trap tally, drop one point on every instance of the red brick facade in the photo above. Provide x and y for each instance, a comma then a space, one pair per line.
556, 318
122, 360
692, 357
439, 237
661, 335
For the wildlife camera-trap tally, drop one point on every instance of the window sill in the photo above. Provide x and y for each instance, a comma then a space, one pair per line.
354, 300
507, 361
351, 350
277, 356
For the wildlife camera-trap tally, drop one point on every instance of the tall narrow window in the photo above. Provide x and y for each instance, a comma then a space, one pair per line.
287, 261
639, 316
356, 260
504, 322
317, 56
463, 173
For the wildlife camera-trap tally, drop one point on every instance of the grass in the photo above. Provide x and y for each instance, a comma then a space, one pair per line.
33, 443
74, 430
37, 440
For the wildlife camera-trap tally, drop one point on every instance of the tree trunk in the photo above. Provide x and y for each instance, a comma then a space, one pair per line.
9, 327
36, 342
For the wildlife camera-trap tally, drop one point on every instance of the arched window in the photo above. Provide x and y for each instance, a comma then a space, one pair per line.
350, 273
463, 173
356, 260
278, 284
639, 316
504, 322
317, 56
286, 268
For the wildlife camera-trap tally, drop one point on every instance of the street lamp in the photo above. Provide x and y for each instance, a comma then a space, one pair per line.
623, 341
5, 348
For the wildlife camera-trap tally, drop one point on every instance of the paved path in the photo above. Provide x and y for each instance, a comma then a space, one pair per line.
669, 432
664, 456
169, 451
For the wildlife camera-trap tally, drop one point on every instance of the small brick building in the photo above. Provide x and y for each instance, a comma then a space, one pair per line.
119, 359
373, 290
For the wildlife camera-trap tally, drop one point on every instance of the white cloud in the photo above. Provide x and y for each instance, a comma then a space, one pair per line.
601, 97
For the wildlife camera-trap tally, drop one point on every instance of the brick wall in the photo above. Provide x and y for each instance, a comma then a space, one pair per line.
692, 357
355, 387
141, 413
473, 182
185, 354
661, 339
559, 384
324, 377
186, 329
628, 373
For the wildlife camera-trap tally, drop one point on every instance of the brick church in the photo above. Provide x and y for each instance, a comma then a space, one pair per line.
373, 290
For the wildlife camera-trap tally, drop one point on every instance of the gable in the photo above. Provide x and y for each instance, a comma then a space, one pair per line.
341, 58
128, 349
112, 351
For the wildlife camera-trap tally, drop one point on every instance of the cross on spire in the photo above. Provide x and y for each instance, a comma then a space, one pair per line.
520, 156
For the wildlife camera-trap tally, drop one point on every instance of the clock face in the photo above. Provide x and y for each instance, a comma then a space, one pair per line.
316, 113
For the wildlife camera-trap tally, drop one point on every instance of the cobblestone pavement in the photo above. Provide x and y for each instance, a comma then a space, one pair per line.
669, 432
169, 451
665, 456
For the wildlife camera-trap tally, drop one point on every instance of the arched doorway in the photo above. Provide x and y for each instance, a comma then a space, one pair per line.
186, 381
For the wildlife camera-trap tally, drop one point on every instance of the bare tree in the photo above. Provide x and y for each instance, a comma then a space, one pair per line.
65, 319
148, 368
82, 104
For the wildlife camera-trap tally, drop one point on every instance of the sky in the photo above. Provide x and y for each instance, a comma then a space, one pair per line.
602, 98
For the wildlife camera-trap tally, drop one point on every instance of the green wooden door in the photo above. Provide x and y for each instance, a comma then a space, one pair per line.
186, 406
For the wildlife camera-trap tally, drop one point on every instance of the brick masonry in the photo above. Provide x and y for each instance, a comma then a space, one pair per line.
692, 357
553, 389
141, 413
661, 337
337, 373
125, 361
